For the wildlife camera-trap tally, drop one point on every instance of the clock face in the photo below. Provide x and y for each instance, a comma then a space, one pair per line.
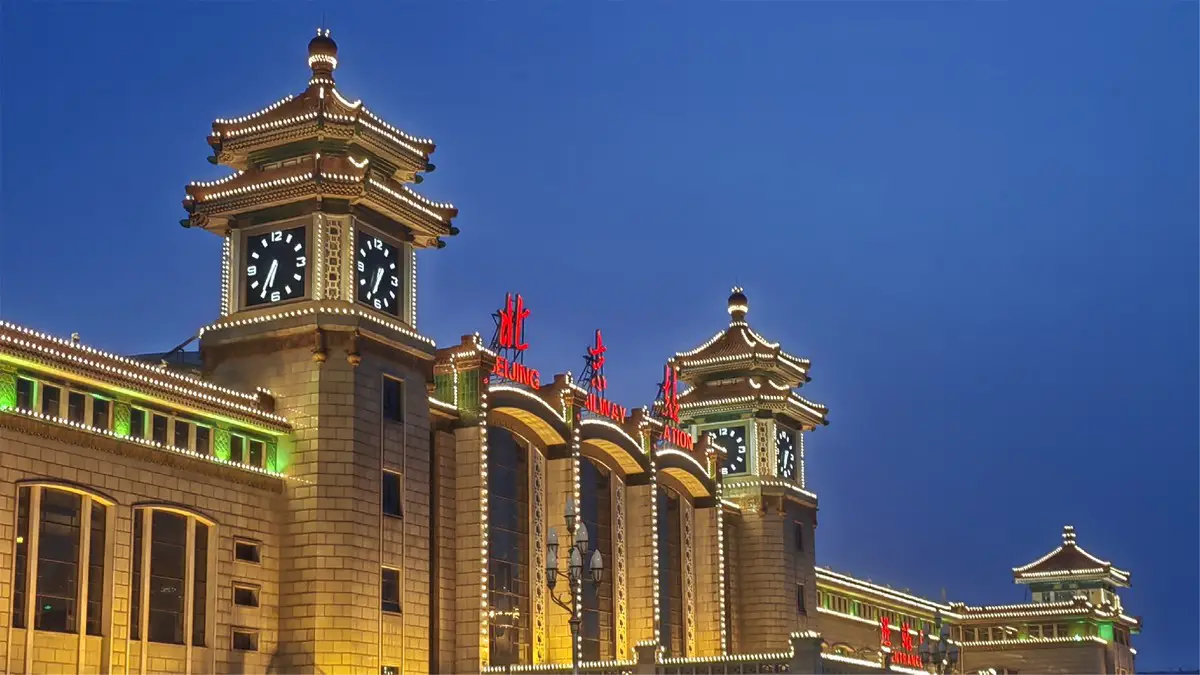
276, 266
378, 269
785, 452
733, 439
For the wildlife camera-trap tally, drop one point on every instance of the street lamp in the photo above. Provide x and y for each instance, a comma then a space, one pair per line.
574, 574
943, 656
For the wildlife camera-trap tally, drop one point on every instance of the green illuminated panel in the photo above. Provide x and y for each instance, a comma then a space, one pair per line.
121, 424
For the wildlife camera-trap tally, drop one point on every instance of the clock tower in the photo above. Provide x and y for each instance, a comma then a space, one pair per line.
742, 394
320, 230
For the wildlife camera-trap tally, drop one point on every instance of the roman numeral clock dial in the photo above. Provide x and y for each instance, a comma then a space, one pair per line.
378, 269
733, 439
276, 266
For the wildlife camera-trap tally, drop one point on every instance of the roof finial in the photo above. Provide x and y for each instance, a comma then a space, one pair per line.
1068, 535
738, 304
322, 54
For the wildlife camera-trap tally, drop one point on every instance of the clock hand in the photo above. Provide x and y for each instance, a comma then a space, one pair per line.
378, 278
270, 277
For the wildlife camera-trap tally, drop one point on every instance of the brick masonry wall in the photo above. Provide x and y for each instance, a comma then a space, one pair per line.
1083, 658
708, 606
639, 563
445, 453
120, 471
468, 646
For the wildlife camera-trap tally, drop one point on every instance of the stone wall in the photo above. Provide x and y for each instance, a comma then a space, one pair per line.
241, 505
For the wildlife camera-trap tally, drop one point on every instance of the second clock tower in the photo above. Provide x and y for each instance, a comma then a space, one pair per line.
741, 393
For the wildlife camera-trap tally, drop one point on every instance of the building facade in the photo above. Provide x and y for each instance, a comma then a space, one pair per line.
324, 490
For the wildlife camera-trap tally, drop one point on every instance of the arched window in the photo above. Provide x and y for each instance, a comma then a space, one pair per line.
62, 535
595, 496
670, 570
508, 548
171, 561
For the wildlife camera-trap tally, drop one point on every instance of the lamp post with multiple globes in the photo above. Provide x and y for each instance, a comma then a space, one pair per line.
943, 656
575, 574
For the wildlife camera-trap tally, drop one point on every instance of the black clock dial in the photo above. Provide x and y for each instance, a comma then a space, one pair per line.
276, 266
785, 452
733, 439
378, 269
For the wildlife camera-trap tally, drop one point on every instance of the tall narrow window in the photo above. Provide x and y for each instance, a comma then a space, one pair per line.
199, 585
100, 413
137, 423
95, 585
58, 561
237, 451
168, 545
256, 454
508, 548
183, 434
22, 557
25, 393
391, 495
135, 599
158, 429
599, 637
168, 583
801, 608
393, 400
799, 535
203, 440
50, 400
76, 406
670, 574
389, 590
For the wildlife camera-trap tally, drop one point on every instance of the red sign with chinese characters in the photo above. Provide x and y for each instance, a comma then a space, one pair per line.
906, 657
510, 345
668, 410
597, 383
512, 323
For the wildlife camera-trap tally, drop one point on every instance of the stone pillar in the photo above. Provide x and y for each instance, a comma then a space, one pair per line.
470, 562
560, 481
708, 585
446, 538
806, 653
768, 610
639, 556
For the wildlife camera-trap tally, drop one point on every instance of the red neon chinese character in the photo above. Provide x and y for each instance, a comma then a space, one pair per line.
512, 323
905, 638
599, 381
670, 394
885, 633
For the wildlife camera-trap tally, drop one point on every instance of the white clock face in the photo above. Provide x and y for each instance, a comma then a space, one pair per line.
733, 439
378, 270
785, 452
276, 265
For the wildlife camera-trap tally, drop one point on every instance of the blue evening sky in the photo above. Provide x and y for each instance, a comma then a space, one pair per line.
979, 220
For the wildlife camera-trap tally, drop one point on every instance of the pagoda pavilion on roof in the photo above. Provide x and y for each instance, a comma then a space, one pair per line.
738, 368
318, 145
1072, 564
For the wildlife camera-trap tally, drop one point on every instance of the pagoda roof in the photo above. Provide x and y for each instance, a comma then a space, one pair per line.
758, 392
211, 203
319, 110
740, 348
1070, 561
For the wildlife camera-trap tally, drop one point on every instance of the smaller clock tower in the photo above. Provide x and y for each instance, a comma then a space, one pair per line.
742, 393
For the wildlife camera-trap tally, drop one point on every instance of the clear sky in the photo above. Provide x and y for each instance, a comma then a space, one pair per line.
979, 220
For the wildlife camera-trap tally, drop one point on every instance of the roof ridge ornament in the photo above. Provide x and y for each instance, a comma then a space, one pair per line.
322, 55
739, 306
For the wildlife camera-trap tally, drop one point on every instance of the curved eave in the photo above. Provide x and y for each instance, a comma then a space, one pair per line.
739, 347
318, 109
1116, 577
618, 446
806, 414
253, 191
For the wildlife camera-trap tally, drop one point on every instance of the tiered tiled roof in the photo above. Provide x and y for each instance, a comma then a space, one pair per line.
319, 144
1070, 562
738, 368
